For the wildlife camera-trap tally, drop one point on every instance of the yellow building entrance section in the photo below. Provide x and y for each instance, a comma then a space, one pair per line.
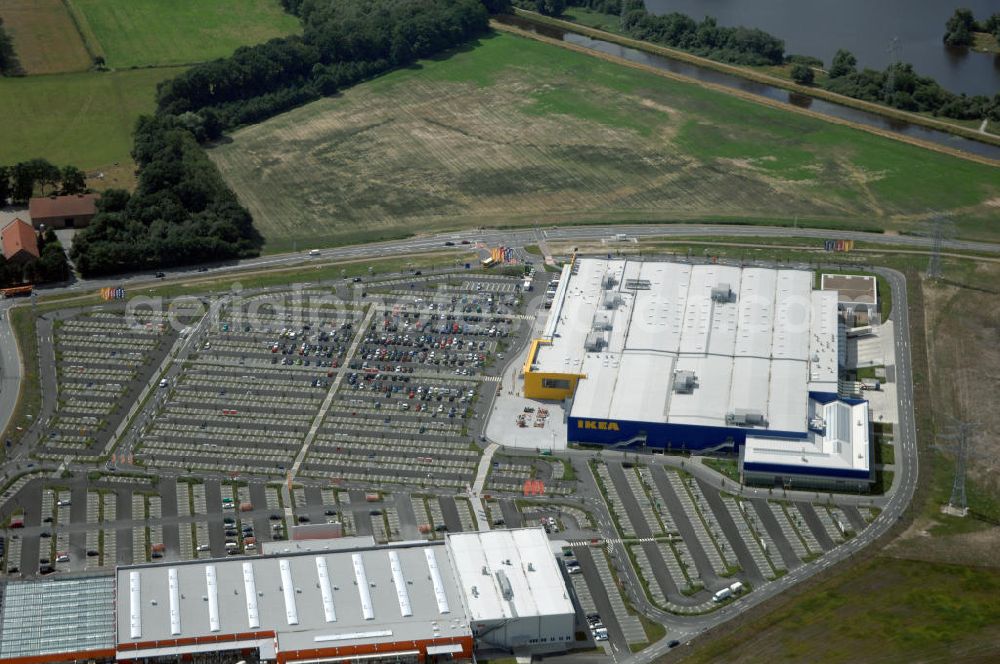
545, 385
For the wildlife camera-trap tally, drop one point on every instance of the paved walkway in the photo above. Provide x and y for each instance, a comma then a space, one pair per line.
476, 490
484, 468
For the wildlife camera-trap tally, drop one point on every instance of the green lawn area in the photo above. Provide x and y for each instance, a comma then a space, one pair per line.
85, 119
728, 467
884, 610
592, 19
133, 33
866, 372
510, 131
30, 399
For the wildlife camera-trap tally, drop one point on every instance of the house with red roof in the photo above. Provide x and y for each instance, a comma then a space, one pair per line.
20, 244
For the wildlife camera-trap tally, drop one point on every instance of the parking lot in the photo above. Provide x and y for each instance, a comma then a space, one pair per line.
405, 412
102, 358
689, 540
124, 520
384, 388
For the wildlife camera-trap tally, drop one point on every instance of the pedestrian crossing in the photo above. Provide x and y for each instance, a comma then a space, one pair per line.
605, 541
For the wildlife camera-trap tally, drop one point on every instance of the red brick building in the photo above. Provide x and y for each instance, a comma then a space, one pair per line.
63, 211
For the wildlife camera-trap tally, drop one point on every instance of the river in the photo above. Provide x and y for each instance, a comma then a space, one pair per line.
864, 27
762, 90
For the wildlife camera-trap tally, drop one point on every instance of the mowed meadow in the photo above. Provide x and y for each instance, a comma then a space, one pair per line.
64, 113
84, 119
153, 32
45, 39
514, 131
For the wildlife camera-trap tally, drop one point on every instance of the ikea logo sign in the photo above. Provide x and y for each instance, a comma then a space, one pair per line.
597, 424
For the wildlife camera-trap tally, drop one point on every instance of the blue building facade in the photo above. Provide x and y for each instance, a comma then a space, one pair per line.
666, 436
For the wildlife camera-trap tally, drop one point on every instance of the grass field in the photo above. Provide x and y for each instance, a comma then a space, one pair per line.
45, 39
153, 32
513, 131
886, 610
84, 119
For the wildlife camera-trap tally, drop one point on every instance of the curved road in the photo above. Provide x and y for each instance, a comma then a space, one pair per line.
906, 470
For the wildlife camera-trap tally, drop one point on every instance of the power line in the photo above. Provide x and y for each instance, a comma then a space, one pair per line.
940, 228
934, 266
958, 438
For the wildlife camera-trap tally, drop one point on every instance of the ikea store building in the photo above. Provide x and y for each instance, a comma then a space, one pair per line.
704, 358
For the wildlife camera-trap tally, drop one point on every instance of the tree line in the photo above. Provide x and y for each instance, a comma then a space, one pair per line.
739, 45
19, 182
898, 85
182, 211
343, 42
959, 29
10, 65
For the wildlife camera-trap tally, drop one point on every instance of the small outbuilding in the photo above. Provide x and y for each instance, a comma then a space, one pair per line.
58, 212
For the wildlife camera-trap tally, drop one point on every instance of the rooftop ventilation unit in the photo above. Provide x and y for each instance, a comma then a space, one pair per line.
609, 280
603, 320
685, 381
505, 588
723, 293
746, 417
817, 424
611, 300
638, 284
594, 342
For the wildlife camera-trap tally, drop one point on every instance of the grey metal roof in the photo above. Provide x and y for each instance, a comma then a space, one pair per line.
309, 599
41, 617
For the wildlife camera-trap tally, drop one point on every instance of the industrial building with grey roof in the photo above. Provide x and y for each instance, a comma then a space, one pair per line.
703, 358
